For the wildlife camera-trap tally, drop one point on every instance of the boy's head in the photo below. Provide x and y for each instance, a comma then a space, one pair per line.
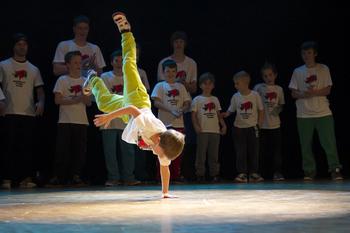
117, 59
169, 70
207, 82
241, 80
172, 143
81, 26
20, 45
309, 51
269, 73
178, 40
73, 62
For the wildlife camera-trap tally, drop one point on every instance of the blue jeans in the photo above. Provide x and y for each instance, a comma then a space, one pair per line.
119, 155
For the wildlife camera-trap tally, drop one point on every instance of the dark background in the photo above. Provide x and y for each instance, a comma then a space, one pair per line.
224, 37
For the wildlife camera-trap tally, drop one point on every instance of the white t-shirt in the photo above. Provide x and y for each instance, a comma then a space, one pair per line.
73, 113
115, 86
272, 97
18, 82
2, 97
144, 126
304, 78
172, 95
186, 70
86, 51
247, 108
206, 109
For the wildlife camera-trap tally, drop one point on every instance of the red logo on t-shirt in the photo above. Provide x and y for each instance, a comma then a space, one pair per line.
141, 143
181, 75
311, 79
75, 89
246, 106
209, 106
173, 93
20, 74
85, 56
270, 96
117, 88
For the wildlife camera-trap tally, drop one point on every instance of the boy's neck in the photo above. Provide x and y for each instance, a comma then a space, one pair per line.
311, 65
19, 58
245, 92
74, 75
170, 81
117, 72
178, 56
206, 94
80, 41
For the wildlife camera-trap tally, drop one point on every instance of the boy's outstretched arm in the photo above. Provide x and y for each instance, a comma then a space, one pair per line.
165, 177
105, 119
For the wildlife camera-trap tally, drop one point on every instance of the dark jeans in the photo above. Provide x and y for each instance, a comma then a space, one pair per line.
271, 150
70, 150
17, 161
246, 142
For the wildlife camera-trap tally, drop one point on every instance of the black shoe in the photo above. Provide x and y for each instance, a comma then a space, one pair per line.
336, 175
87, 86
278, 177
241, 178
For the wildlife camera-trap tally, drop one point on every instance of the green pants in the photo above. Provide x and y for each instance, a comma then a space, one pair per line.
134, 92
325, 129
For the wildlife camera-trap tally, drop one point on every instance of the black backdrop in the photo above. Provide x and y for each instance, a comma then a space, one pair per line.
224, 37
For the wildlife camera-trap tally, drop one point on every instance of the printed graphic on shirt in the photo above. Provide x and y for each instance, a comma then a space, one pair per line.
181, 76
311, 81
208, 108
20, 76
270, 100
75, 90
246, 109
172, 94
117, 89
141, 143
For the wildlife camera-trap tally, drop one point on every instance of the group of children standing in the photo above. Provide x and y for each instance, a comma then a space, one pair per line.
257, 126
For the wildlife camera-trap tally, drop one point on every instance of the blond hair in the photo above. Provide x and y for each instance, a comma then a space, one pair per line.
172, 142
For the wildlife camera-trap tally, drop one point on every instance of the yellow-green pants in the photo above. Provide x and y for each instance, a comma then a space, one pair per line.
134, 92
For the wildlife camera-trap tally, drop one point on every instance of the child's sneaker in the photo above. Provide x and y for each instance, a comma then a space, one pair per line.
241, 178
336, 175
132, 182
87, 86
121, 21
111, 183
255, 178
278, 177
27, 183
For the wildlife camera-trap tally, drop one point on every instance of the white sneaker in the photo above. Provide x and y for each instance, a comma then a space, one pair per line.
87, 87
121, 21
27, 183
6, 184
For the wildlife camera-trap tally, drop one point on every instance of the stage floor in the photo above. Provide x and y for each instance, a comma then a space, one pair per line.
283, 207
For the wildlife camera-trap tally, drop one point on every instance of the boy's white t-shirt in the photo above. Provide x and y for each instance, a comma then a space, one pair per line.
73, 113
19, 80
246, 107
304, 78
87, 51
144, 126
115, 85
206, 109
172, 95
2, 97
186, 70
272, 97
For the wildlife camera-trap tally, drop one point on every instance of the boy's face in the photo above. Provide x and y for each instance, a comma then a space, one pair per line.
117, 62
269, 76
207, 86
21, 48
74, 65
170, 74
308, 55
241, 84
81, 30
179, 44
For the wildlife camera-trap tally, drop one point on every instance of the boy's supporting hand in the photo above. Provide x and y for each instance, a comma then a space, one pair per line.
197, 128
167, 195
225, 114
176, 113
102, 119
39, 109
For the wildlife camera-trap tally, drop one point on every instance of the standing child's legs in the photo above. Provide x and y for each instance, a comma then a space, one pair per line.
306, 128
